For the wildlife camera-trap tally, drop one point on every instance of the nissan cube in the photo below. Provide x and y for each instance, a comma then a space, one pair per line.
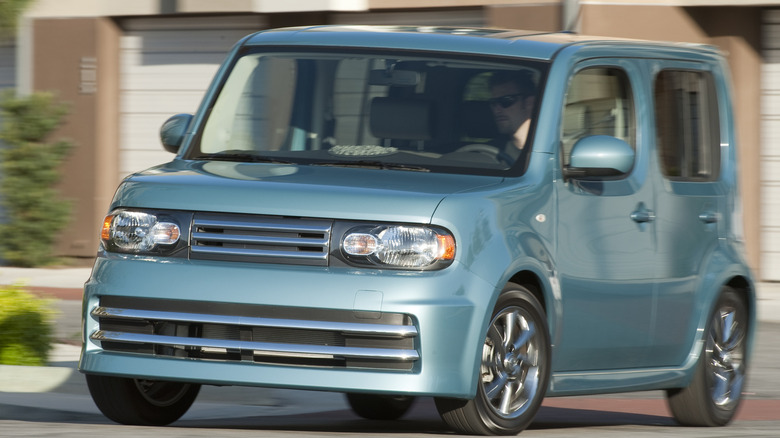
485, 217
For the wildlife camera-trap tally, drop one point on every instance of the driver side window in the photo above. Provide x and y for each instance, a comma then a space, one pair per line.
599, 102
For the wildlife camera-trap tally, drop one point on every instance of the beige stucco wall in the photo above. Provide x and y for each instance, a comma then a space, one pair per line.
82, 69
542, 17
116, 8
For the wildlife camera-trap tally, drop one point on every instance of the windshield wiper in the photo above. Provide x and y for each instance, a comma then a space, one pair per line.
241, 156
373, 165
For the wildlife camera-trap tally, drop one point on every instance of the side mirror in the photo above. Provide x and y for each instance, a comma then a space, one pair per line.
600, 156
173, 130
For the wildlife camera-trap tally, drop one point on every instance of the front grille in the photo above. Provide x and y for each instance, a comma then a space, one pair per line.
260, 239
258, 334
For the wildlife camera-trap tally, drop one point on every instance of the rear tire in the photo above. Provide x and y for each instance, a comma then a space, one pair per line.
380, 407
714, 394
514, 373
141, 402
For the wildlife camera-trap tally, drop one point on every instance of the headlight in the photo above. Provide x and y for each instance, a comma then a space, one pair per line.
399, 246
139, 232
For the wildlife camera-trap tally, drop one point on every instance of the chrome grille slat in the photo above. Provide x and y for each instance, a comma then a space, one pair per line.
265, 225
235, 238
261, 239
259, 347
259, 253
381, 330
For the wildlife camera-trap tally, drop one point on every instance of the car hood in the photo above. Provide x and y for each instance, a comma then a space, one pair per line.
292, 190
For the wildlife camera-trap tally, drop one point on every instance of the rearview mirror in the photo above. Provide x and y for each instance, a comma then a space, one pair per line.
396, 78
600, 156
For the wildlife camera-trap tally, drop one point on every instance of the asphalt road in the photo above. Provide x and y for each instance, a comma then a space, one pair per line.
67, 411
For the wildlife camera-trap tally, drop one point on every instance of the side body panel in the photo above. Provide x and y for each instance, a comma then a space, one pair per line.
605, 258
683, 291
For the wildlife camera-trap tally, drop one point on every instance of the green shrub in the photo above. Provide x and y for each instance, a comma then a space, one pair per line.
30, 168
10, 11
26, 331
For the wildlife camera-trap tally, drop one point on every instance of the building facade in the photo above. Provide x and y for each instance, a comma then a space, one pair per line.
124, 67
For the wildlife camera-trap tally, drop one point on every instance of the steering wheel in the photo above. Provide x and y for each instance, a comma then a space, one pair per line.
482, 148
485, 149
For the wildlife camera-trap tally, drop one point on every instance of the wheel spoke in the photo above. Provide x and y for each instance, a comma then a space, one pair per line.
498, 343
510, 323
493, 389
507, 398
727, 323
525, 337
720, 387
735, 390
531, 382
736, 340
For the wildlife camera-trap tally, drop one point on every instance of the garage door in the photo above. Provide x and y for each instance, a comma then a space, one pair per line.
166, 65
770, 148
7, 69
7, 66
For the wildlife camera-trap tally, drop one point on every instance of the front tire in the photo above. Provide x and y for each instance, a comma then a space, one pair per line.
514, 373
141, 402
715, 392
380, 407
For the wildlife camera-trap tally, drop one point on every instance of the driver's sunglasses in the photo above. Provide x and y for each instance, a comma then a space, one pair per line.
505, 101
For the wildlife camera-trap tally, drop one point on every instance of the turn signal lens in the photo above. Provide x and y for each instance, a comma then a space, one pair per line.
446, 246
105, 233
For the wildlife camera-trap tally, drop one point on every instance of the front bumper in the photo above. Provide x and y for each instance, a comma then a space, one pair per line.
438, 317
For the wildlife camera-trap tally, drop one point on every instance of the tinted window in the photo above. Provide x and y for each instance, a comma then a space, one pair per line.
686, 112
599, 102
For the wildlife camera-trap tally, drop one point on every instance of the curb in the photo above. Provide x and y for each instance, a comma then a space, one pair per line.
63, 360
60, 293
14, 378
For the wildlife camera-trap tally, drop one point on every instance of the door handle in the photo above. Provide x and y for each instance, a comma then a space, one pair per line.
708, 217
642, 214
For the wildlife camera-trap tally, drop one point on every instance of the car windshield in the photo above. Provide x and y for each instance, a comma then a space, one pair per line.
382, 110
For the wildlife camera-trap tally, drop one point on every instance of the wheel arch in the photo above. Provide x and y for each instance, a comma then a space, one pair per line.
533, 283
746, 289
527, 277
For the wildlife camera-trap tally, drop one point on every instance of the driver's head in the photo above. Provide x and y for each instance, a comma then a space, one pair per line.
513, 94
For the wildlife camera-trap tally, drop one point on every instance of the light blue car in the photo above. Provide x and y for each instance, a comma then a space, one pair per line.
486, 217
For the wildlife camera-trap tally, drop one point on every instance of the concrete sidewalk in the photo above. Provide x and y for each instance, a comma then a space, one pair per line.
46, 278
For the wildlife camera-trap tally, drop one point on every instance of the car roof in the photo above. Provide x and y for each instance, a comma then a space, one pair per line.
463, 40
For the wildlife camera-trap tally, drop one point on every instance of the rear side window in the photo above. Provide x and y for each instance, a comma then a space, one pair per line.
687, 125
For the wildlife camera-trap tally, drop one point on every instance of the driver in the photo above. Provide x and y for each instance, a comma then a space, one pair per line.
513, 95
